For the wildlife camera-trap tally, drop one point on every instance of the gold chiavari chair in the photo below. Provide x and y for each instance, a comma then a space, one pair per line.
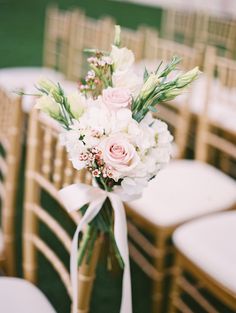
218, 32
87, 33
55, 59
48, 169
11, 119
183, 191
176, 113
56, 38
217, 127
205, 280
179, 26
133, 40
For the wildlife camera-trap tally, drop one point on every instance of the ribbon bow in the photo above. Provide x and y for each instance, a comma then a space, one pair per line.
76, 196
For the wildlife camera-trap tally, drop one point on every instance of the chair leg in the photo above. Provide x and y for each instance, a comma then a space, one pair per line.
2, 263
174, 290
29, 249
86, 277
157, 294
10, 264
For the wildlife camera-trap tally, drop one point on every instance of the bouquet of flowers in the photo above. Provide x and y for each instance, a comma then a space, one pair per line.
109, 129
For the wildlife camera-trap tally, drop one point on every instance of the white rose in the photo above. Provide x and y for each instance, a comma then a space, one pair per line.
123, 58
48, 105
127, 79
77, 104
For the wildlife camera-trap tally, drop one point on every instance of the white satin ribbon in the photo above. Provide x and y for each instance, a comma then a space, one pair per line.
74, 197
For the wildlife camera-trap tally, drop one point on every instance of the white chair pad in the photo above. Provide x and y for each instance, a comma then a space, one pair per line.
20, 296
210, 244
185, 189
12, 79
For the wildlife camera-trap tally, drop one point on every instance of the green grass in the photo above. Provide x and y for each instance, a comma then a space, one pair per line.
21, 44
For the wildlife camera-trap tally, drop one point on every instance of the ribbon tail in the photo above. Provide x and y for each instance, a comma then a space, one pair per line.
120, 232
89, 215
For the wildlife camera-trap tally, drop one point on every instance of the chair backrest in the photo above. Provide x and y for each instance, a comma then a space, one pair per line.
177, 112
48, 169
179, 25
11, 119
56, 38
218, 32
87, 33
133, 40
217, 123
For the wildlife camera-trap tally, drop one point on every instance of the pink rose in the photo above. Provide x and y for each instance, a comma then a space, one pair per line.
119, 153
116, 98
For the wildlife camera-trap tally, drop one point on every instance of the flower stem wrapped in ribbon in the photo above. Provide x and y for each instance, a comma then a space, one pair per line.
108, 129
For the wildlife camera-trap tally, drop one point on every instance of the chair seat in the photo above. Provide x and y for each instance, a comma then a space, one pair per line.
20, 296
209, 243
185, 189
25, 78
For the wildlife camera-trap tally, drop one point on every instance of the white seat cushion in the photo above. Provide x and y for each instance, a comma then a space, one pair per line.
12, 79
20, 296
210, 244
185, 189
21, 77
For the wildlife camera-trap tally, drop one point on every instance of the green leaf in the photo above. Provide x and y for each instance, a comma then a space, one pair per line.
158, 67
145, 75
153, 109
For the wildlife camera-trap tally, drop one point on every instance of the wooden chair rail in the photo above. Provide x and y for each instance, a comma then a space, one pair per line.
51, 189
221, 144
143, 263
142, 241
53, 259
3, 166
52, 224
195, 294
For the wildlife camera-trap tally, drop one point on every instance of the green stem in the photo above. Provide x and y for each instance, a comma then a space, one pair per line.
84, 245
93, 238
116, 250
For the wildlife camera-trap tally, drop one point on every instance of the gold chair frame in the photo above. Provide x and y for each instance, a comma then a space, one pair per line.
56, 38
87, 33
11, 122
181, 283
48, 168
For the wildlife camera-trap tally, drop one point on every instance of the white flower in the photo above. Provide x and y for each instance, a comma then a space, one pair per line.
149, 85
48, 105
161, 155
96, 118
127, 79
123, 58
133, 186
77, 104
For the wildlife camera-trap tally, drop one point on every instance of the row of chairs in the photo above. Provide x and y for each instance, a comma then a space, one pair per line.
192, 28
160, 218
182, 192
68, 33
